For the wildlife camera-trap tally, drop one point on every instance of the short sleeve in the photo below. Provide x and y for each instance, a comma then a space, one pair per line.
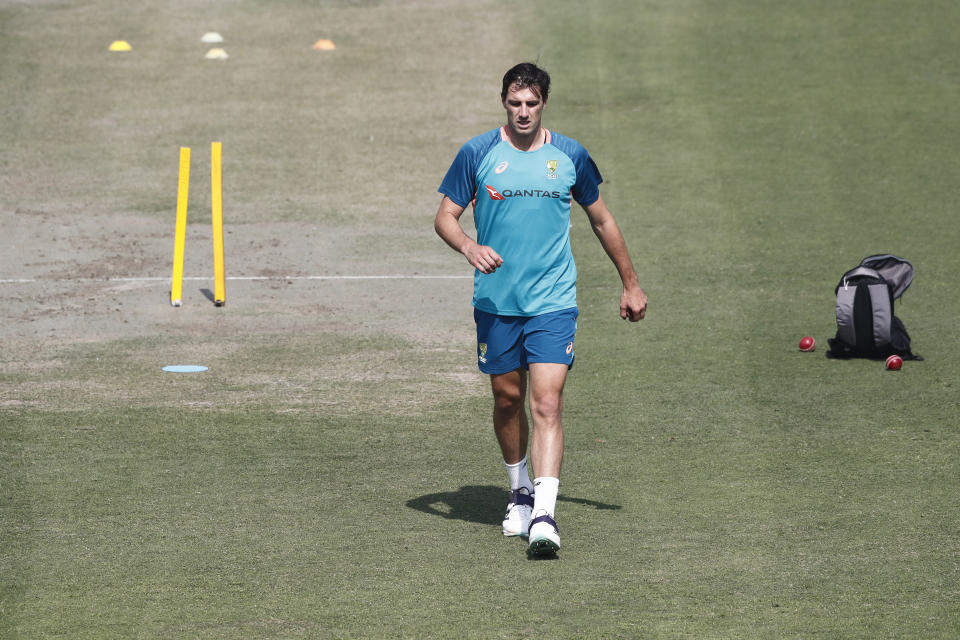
460, 183
586, 189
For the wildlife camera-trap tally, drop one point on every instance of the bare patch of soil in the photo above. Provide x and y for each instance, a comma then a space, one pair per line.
76, 283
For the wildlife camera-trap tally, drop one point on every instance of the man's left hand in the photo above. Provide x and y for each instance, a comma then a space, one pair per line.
633, 304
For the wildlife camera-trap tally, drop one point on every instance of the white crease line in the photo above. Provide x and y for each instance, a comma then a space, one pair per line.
248, 278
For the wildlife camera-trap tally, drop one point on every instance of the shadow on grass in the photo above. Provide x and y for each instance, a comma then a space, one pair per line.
480, 504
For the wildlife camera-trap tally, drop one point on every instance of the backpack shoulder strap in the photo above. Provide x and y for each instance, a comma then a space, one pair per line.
846, 331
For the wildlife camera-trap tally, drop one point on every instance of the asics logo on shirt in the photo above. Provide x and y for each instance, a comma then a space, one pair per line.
500, 168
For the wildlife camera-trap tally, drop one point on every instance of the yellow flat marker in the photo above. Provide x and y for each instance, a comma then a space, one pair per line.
324, 45
180, 235
216, 54
120, 46
216, 215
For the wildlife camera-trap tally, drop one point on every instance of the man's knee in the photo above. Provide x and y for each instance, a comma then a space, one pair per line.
508, 400
508, 392
547, 407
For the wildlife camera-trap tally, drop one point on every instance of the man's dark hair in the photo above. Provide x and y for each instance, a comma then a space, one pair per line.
527, 75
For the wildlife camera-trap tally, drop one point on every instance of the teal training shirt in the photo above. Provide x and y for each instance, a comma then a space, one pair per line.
522, 211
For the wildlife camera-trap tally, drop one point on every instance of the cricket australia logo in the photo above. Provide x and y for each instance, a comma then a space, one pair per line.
482, 351
552, 169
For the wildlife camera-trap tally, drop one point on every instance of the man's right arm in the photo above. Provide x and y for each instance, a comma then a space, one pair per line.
447, 225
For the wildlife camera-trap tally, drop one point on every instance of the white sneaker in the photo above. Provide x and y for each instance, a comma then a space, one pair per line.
544, 535
516, 522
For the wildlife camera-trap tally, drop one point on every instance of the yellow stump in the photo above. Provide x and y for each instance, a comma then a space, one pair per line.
180, 235
216, 205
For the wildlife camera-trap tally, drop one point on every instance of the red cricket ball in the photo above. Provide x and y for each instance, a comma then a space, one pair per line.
894, 362
807, 343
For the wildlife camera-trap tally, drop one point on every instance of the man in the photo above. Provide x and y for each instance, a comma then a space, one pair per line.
521, 179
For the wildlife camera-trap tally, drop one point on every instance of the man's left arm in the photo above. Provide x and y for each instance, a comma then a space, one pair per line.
633, 301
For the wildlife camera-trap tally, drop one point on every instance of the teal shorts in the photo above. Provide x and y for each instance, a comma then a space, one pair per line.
506, 343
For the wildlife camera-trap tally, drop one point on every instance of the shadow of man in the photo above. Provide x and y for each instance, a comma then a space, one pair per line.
480, 504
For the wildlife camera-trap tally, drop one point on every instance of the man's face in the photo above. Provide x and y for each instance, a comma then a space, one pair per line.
524, 108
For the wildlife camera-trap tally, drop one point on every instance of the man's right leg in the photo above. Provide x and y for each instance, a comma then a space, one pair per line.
509, 414
500, 354
512, 431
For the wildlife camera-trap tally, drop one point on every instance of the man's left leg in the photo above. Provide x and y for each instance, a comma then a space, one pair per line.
546, 452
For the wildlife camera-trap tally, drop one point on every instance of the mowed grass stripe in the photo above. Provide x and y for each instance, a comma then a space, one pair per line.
738, 181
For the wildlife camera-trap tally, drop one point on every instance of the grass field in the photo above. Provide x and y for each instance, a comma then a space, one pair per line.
334, 474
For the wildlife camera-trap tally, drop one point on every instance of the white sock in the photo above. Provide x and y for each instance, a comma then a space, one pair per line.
545, 494
519, 476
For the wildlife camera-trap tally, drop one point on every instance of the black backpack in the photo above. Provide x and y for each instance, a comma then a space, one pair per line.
866, 326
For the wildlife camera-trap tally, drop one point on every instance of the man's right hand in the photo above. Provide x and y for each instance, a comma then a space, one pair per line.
483, 258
